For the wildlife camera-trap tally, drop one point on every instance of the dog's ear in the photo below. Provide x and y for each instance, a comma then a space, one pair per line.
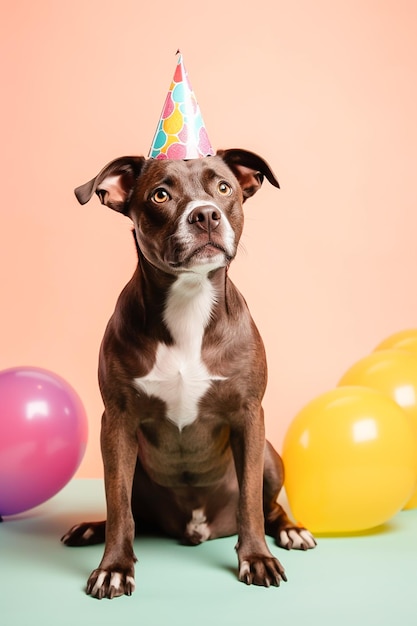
249, 169
113, 184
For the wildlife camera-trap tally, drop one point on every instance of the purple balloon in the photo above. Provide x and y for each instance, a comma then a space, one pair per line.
43, 437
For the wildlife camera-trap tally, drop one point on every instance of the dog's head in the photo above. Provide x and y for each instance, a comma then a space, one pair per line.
187, 215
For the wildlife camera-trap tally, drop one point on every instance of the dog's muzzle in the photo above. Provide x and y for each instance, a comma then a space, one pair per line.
204, 236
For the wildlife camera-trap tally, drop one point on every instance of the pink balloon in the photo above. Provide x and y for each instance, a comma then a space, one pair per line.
43, 437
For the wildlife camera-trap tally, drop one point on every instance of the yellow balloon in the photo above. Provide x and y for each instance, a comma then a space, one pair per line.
394, 372
403, 340
412, 502
349, 459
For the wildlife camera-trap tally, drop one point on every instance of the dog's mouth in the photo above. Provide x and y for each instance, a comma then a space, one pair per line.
209, 253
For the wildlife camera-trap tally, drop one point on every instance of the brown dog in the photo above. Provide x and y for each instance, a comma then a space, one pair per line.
182, 373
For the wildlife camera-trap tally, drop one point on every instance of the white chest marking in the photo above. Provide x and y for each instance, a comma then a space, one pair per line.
179, 377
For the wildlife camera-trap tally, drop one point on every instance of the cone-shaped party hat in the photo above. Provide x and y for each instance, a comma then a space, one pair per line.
181, 133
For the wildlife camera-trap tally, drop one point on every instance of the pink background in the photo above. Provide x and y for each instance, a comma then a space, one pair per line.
326, 91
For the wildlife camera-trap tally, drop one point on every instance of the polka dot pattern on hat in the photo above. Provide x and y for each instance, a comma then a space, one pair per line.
181, 133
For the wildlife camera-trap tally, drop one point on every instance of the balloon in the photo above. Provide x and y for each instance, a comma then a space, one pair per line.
393, 372
412, 502
43, 436
403, 340
349, 460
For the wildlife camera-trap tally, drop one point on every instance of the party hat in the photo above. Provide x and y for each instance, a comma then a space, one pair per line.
181, 133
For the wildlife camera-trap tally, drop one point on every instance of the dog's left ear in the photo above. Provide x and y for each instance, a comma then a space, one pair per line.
249, 169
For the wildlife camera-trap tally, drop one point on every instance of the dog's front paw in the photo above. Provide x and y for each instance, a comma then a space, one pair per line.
261, 570
110, 584
296, 538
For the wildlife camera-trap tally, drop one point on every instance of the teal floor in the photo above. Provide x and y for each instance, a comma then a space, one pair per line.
361, 580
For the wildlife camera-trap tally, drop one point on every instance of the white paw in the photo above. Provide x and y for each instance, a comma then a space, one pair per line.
296, 539
262, 570
104, 583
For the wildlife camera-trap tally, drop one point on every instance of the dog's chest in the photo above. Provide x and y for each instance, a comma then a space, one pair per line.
179, 377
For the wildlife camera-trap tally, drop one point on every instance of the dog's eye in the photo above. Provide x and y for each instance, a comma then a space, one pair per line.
160, 196
224, 189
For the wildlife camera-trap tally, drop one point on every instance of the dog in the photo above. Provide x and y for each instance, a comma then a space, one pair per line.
182, 373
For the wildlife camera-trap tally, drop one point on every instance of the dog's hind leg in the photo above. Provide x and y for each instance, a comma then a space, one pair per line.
277, 523
85, 534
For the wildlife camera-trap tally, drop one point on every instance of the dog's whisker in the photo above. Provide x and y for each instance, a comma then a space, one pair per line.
242, 249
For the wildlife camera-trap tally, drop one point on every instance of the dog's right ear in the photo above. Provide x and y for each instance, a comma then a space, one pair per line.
114, 184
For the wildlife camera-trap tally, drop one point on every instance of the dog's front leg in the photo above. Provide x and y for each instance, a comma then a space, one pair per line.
256, 563
115, 574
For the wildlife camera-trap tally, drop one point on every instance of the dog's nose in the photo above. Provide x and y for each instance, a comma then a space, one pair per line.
205, 217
